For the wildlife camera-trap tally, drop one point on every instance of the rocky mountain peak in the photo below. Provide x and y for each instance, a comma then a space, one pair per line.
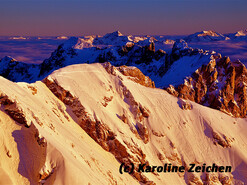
205, 36
70, 42
209, 33
114, 38
241, 33
114, 34
7, 59
133, 74
180, 45
221, 84
206, 72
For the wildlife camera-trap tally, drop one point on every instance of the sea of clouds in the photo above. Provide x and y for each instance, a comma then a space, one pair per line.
36, 50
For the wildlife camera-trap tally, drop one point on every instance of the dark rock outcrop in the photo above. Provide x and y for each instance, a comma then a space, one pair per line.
100, 132
18, 71
221, 84
13, 110
133, 72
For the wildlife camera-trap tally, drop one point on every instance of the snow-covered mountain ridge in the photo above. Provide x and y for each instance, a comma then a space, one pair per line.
205, 36
239, 35
209, 36
173, 68
114, 48
81, 122
220, 84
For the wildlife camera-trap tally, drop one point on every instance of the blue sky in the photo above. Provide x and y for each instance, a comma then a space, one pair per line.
83, 17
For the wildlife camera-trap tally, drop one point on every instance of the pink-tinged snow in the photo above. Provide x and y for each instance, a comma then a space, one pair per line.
205, 36
77, 159
241, 33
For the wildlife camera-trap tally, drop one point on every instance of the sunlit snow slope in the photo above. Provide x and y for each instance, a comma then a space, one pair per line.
80, 123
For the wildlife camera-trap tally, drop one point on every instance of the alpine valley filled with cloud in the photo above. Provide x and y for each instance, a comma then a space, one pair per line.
124, 109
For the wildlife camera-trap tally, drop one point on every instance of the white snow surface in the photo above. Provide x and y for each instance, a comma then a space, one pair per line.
241, 33
206, 36
180, 136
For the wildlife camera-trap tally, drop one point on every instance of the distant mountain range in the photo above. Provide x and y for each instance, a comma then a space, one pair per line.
206, 35
91, 112
184, 71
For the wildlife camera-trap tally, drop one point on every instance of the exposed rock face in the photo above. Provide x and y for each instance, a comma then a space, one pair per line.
111, 38
179, 50
11, 108
100, 132
140, 112
131, 54
224, 141
218, 83
133, 72
118, 50
58, 57
221, 84
161, 132
137, 75
184, 104
143, 132
17, 71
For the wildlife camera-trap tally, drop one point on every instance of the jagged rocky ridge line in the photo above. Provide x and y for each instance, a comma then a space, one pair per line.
220, 84
141, 54
182, 64
87, 50
117, 49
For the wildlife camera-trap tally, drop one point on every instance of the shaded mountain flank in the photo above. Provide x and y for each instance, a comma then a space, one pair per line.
190, 73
